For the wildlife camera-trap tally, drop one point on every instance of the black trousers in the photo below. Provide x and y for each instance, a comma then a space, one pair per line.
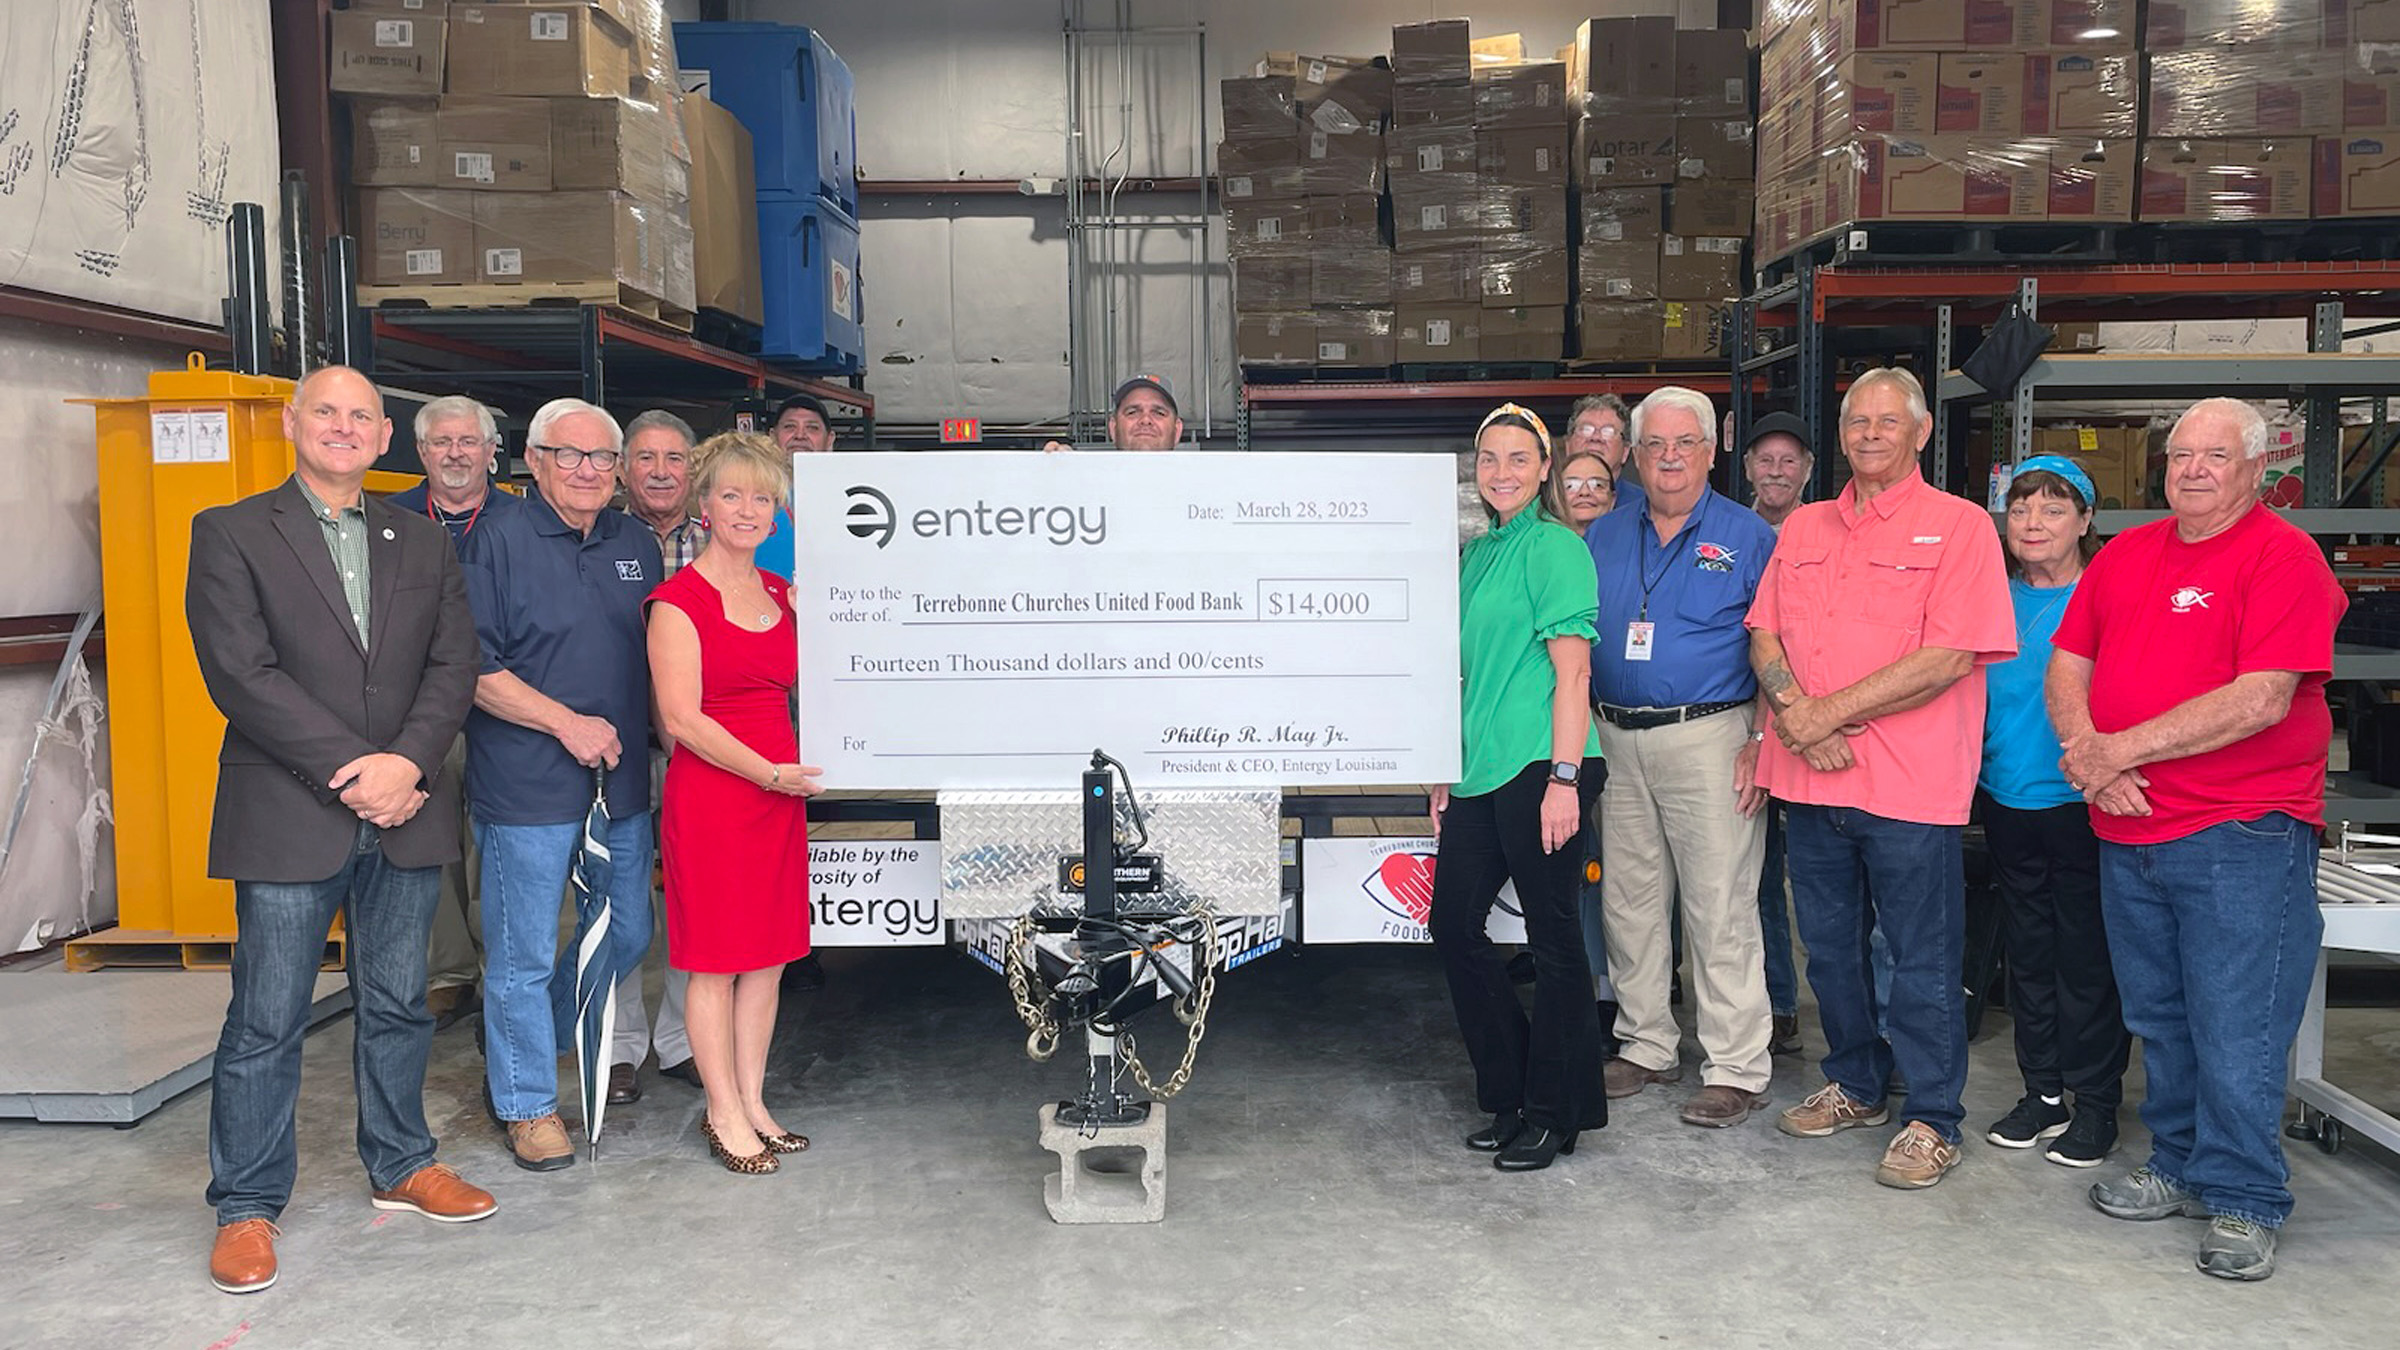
2062, 994
1547, 1065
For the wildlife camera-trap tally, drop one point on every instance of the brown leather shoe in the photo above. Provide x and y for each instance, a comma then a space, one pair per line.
624, 1085
541, 1144
243, 1261
1917, 1158
1717, 1106
1621, 1077
439, 1194
1829, 1110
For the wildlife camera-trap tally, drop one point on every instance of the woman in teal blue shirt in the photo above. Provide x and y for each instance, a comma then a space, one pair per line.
1526, 597
2062, 993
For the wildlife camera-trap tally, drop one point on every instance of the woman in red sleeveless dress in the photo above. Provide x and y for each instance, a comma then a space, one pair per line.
724, 656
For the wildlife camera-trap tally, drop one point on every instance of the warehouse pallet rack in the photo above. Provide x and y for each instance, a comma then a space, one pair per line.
1378, 412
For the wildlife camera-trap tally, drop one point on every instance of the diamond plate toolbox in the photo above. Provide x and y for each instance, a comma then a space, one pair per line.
1000, 850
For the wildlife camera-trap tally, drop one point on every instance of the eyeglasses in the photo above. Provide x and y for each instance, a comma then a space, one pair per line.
1684, 445
568, 457
442, 443
1584, 484
1604, 435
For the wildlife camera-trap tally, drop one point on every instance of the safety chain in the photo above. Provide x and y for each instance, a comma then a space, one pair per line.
1194, 1019
1041, 1037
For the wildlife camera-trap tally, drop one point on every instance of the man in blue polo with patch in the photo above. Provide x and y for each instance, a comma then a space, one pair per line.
557, 588
1672, 683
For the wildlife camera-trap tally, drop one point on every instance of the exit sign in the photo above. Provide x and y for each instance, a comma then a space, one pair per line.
962, 430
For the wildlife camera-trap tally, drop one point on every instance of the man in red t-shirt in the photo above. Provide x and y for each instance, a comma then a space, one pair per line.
2188, 689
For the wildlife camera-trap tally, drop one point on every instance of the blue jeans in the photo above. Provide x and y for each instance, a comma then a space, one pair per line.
528, 978
252, 1156
1775, 920
2214, 937
1853, 872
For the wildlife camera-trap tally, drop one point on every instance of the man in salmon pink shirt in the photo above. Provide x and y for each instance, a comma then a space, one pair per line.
1870, 632
2188, 690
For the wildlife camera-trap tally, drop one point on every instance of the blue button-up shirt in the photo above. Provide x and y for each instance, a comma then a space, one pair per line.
563, 613
1629, 495
1694, 591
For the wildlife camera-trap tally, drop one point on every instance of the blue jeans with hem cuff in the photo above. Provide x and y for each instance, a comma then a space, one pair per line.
2214, 938
253, 1150
1775, 920
1852, 873
528, 977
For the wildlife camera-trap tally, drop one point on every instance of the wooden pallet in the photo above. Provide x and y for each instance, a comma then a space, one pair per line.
135, 949
526, 295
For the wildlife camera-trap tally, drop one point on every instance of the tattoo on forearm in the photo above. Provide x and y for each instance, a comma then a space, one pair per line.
1777, 680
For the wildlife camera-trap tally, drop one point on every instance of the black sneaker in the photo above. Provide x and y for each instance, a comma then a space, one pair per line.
2033, 1121
2091, 1137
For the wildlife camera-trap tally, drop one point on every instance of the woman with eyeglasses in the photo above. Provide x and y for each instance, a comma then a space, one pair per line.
1527, 594
1587, 488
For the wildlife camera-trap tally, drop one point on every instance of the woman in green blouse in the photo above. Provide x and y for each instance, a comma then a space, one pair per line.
1526, 597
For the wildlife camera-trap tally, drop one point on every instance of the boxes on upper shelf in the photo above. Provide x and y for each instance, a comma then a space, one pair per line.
1620, 330
416, 236
583, 237
1715, 148
2259, 179
1699, 268
1431, 157
1625, 151
2358, 174
1439, 332
1354, 337
1622, 66
2039, 93
1450, 105
1712, 72
2223, 93
1350, 275
1524, 333
725, 262
1718, 208
1438, 276
1259, 109
1339, 165
1260, 170
578, 50
1617, 258
377, 53
2258, 25
1524, 157
1273, 281
1438, 52
1691, 329
1265, 227
1533, 94
1841, 27
496, 144
1275, 337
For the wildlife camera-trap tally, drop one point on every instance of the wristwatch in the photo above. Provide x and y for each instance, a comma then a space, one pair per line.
1565, 772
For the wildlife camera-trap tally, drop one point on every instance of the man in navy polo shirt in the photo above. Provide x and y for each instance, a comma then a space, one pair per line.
1671, 677
557, 590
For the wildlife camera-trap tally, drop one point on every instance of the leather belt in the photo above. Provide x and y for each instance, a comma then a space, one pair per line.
1643, 719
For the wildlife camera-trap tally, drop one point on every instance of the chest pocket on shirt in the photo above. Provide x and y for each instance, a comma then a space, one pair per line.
1899, 582
1806, 582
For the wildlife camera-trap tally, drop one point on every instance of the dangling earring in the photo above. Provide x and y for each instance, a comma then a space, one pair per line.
774, 526
704, 522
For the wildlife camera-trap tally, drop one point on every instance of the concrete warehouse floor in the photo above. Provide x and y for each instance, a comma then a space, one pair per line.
1317, 1196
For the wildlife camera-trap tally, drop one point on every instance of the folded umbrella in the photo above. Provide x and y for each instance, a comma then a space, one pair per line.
596, 971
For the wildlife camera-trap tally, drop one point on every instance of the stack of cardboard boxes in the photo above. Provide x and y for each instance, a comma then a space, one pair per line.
521, 144
1302, 166
1664, 172
2006, 111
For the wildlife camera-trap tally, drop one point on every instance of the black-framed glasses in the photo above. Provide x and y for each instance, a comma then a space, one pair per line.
569, 457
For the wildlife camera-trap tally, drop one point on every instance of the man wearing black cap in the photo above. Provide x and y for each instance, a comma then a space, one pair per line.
1144, 417
1778, 461
801, 426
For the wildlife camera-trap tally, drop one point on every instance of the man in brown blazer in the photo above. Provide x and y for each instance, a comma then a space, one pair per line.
334, 634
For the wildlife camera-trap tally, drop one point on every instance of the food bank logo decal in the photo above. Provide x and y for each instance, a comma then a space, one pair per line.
1402, 885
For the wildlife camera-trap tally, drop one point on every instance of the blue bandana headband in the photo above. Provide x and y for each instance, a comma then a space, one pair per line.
2067, 469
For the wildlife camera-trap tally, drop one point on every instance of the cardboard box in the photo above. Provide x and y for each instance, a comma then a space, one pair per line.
2374, 20
574, 50
2371, 88
1349, 101
1354, 337
1259, 170
1259, 109
1498, 49
1959, 25
1351, 276
2234, 93
1620, 331
2094, 180
1441, 157
1525, 216
725, 265
1438, 277
1981, 94
1446, 332
2117, 458
1529, 95
1447, 105
1718, 208
1516, 274
1892, 92
1272, 282
1266, 227
2226, 180
1431, 53
1786, 139
386, 53
1436, 219
1275, 338
581, 237
1712, 72
1622, 66
1692, 329
1525, 333
1625, 151
2290, 25
1622, 215
1350, 221
1618, 270
630, 145
1699, 268
423, 9
2083, 93
494, 144
2358, 174
416, 237
1715, 148
393, 142
1938, 178
1525, 157
1340, 165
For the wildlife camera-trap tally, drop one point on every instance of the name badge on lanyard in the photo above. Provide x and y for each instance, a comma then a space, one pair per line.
1637, 639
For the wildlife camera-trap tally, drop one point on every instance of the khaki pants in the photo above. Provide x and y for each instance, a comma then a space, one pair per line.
454, 953
1670, 826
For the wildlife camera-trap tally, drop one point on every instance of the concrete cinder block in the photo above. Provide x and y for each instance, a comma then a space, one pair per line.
1117, 1174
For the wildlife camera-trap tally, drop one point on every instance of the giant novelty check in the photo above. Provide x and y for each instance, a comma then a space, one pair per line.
989, 619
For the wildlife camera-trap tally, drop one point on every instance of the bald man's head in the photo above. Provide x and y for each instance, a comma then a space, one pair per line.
336, 425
